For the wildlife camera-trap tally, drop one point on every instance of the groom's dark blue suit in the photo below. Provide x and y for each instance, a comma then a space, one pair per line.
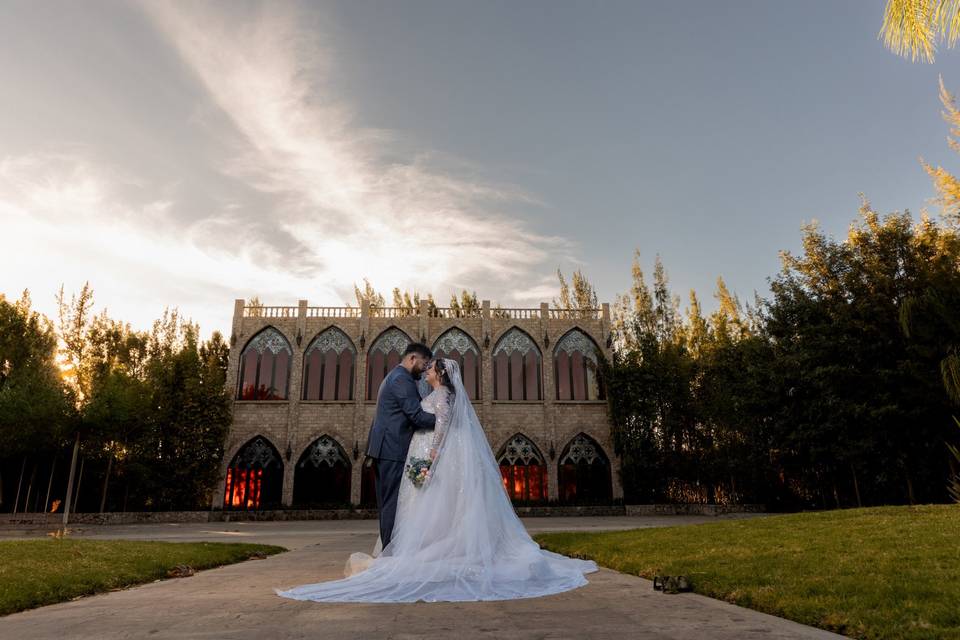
398, 415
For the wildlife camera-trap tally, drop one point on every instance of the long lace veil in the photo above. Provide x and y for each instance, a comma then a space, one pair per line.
460, 539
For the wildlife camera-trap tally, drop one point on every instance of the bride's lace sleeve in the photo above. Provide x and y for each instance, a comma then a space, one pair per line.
444, 408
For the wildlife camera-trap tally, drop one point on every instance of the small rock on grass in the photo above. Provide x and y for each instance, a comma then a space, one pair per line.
181, 571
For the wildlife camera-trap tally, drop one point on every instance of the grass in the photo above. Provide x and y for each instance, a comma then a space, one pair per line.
889, 572
39, 572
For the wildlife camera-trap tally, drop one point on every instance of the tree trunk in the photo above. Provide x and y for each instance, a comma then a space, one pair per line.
856, 486
16, 502
910, 490
26, 500
73, 466
126, 494
836, 496
76, 495
53, 468
106, 481
1, 488
823, 496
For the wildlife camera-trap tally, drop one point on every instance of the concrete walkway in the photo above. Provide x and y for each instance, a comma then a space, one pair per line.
237, 601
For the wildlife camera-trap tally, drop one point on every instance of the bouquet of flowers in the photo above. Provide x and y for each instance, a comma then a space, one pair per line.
418, 470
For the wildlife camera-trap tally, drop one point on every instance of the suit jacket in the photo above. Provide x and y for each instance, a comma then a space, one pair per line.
398, 415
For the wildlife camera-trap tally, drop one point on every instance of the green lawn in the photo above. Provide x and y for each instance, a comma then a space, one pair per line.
39, 572
891, 572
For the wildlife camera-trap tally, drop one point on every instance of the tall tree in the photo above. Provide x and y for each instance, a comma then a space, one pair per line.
466, 305
864, 400
650, 378
75, 318
666, 305
581, 296
410, 304
254, 307
116, 413
727, 321
369, 295
36, 406
634, 310
696, 330
189, 418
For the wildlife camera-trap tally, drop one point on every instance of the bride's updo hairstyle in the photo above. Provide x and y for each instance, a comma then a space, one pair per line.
441, 368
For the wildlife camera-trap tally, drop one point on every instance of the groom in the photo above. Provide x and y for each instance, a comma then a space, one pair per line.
398, 416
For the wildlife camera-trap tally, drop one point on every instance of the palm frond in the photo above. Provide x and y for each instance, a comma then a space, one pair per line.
950, 372
909, 28
953, 485
946, 17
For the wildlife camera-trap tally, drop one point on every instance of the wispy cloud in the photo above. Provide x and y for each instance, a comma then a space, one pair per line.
360, 214
304, 201
65, 222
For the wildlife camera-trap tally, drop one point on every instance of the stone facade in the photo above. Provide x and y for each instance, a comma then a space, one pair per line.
292, 425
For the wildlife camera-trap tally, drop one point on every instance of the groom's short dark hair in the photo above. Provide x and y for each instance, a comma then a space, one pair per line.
418, 348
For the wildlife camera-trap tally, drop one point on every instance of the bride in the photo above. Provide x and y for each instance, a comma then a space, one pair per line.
456, 536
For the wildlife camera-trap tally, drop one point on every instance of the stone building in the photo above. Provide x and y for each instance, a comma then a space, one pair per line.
304, 381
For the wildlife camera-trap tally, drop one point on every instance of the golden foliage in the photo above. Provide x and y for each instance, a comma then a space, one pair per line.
467, 304
368, 294
915, 26
947, 187
946, 184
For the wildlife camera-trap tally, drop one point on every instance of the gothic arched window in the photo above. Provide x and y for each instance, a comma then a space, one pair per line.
385, 353
322, 475
328, 367
254, 477
523, 470
584, 472
575, 366
516, 368
457, 345
265, 367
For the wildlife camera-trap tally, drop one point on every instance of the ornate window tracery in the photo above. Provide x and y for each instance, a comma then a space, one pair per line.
523, 470
322, 474
384, 354
517, 367
457, 345
255, 477
328, 366
584, 472
265, 367
575, 366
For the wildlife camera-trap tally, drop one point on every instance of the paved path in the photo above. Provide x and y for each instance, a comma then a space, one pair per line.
237, 601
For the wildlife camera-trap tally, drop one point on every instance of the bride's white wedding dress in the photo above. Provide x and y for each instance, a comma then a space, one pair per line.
456, 538
439, 403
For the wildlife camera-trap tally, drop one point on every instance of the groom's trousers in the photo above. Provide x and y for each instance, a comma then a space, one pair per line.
389, 475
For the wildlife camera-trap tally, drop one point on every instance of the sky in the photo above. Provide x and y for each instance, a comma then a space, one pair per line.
184, 154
